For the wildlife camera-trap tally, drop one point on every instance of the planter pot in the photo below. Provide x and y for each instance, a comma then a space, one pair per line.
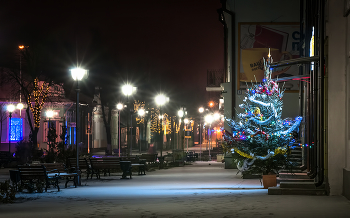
219, 158
269, 181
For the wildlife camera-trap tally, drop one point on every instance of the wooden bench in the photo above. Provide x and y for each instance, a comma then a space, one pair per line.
149, 158
135, 162
60, 170
107, 164
31, 175
84, 166
168, 159
191, 156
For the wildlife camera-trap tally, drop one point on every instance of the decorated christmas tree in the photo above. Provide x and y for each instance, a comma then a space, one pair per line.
260, 140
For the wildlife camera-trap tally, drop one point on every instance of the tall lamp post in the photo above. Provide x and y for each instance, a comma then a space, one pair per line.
119, 108
160, 101
77, 75
181, 113
216, 117
20, 105
10, 109
200, 110
141, 113
129, 90
49, 114
209, 119
186, 121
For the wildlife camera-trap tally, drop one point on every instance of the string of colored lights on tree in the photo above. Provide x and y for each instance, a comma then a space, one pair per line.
261, 121
38, 92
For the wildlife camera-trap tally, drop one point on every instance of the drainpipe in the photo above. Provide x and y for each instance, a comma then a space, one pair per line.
315, 96
233, 53
301, 54
321, 96
312, 113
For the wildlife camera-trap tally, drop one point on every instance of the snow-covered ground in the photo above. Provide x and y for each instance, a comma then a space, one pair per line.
203, 189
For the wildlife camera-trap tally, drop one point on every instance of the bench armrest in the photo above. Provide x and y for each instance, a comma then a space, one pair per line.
53, 171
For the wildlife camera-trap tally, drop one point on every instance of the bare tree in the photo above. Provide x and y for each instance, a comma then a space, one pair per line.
34, 86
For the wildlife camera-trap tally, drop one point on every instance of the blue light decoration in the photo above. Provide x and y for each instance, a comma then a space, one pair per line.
16, 129
75, 134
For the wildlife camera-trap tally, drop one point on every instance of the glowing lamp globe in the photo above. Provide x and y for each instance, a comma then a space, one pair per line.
120, 106
49, 113
141, 112
128, 89
78, 73
209, 118
20, 106
201, 110
10, 108
161, 99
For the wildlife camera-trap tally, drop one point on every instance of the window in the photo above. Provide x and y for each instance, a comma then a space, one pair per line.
16, 129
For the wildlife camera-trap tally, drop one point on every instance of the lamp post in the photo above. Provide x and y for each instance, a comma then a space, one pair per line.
186, 121
77, 75
128, 90
209, 119
141, 113
216, 117
182, 113
160, 101
20, 105
200, 110
119, 107
49, 114
10, 109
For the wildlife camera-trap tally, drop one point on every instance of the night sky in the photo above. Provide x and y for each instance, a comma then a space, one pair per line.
160, 46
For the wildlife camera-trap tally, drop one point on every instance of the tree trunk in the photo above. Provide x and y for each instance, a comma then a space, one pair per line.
34, 131
35, 137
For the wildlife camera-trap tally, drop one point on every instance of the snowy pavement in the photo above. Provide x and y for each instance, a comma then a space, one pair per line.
197, 190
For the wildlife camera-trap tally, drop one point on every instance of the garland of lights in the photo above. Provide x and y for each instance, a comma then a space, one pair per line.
261, 120
37, 92
278, 150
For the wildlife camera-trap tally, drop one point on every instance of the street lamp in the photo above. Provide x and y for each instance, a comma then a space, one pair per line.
20, 105
141, 113
209, 119
160, 101
119, 108
186, 121
10, 109
128, 90
77, 75
181, 113
200, 110
49, 114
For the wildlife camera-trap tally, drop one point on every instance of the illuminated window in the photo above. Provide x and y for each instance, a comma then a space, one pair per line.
16, 129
